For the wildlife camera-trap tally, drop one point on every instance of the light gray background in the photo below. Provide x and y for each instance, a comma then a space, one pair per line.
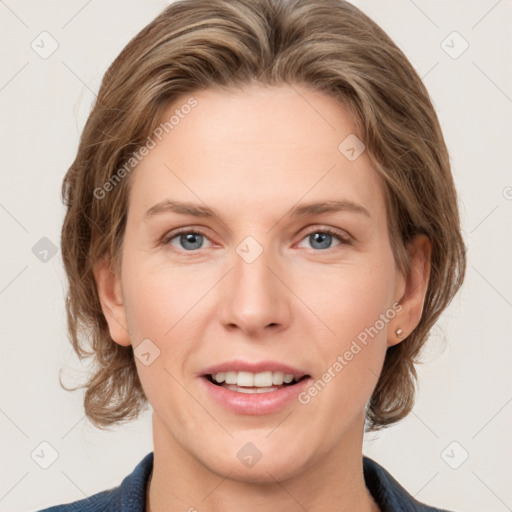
464, 395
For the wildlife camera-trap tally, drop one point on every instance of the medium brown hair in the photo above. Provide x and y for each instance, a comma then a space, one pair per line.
328, 45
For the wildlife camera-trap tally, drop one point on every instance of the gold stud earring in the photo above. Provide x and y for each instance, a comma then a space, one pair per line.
399, 332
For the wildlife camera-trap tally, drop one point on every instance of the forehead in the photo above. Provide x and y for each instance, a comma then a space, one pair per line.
257, 149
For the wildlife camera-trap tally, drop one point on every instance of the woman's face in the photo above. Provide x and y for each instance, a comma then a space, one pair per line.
262, 282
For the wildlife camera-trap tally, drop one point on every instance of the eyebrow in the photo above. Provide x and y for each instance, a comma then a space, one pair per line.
197, 210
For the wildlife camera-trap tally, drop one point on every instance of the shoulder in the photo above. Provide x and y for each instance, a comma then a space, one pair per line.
129, 496
388, 493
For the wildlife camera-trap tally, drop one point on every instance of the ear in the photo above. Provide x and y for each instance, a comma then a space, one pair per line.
415, 288
108, 284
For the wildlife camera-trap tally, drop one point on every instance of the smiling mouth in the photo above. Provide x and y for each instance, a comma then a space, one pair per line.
255, 389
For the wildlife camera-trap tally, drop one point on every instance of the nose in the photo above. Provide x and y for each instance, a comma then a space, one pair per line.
255, 297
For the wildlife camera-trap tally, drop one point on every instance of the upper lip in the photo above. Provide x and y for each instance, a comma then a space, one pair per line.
239, 365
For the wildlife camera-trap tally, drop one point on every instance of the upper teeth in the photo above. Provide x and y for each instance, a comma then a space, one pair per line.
248, 379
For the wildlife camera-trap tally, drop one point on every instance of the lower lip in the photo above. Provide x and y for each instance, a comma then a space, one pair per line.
255, 403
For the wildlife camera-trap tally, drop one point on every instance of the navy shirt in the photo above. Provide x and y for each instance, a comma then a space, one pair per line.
130, 496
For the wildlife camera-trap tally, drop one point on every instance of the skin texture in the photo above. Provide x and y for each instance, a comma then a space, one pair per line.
252, 155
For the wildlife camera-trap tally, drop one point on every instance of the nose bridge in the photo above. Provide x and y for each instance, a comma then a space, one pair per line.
255, 297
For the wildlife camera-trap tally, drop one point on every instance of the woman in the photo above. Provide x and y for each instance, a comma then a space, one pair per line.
261, 231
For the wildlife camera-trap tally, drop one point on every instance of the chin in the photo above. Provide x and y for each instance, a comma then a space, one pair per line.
268, 468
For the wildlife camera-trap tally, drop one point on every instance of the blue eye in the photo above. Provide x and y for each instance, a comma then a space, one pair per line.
188, 240
324, 238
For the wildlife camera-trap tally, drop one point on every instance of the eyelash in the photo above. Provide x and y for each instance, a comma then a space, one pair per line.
329, 231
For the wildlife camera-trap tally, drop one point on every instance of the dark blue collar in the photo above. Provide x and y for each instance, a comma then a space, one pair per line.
388, 493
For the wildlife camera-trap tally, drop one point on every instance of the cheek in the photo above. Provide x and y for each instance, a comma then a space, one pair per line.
165, 305
158, 299
355, 307
350, 298
160, 307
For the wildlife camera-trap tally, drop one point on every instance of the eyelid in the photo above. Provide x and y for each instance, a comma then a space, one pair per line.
342, 235
168, 236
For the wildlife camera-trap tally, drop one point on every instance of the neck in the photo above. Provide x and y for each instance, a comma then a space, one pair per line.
334, 482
